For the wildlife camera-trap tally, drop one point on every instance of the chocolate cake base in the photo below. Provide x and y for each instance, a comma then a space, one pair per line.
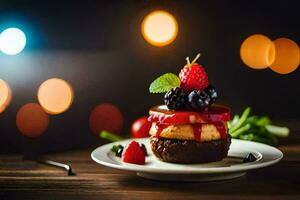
189, 151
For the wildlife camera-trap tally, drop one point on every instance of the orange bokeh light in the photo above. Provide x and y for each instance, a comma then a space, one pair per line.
257, 51
106, 117
159, 28
55, 95
5, 95
32, 121
287, 56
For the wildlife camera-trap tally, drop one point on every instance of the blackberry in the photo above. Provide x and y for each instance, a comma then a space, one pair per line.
115, 148
120, 151
175, 99
144, 149
199, 100
212, 93
249, 158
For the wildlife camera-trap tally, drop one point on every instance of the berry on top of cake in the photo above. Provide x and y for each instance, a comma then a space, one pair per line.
193, 76
189, 128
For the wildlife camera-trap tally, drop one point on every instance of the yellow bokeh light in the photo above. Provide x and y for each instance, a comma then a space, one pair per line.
287, 56
257, 51
55, 95
159, 28
5, 95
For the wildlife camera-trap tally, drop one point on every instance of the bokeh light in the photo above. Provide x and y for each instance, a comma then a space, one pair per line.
106, 117
257, 51
287, 56
159, 28
5, 95
32, 121
55, 95
12, 41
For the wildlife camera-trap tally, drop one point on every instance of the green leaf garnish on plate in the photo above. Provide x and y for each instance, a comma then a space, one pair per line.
164, 83
256, 128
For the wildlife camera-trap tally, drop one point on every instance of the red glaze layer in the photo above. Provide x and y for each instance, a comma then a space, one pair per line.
216, 113
221, 129
160, 128
197, 131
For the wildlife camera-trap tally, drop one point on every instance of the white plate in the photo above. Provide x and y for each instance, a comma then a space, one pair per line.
228, 168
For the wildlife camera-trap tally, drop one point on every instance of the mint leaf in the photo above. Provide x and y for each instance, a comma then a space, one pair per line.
164, 83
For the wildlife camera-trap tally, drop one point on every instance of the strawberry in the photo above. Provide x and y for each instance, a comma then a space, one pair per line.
133, 153
193, 76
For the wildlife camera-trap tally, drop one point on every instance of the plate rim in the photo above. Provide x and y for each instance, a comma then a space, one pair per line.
212, 170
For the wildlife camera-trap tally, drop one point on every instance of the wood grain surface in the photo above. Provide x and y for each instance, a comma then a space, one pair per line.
23, 179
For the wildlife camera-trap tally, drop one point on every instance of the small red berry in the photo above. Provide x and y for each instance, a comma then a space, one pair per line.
133, 153
193, 76
140, 127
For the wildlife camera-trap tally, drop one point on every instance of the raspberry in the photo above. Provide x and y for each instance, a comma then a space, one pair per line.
133, 153
193, 78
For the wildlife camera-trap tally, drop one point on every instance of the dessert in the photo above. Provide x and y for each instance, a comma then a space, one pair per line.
190, 127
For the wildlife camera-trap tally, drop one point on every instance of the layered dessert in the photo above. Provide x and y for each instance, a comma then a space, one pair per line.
189, 127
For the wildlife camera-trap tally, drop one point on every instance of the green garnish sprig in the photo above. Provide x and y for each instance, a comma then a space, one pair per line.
256, 128
110, 136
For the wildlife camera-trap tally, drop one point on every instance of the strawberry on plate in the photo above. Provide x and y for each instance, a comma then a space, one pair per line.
133, 153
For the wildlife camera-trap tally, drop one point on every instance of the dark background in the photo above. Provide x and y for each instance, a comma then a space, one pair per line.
97, 47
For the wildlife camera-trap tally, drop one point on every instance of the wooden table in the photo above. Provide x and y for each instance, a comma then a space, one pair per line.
21, 180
